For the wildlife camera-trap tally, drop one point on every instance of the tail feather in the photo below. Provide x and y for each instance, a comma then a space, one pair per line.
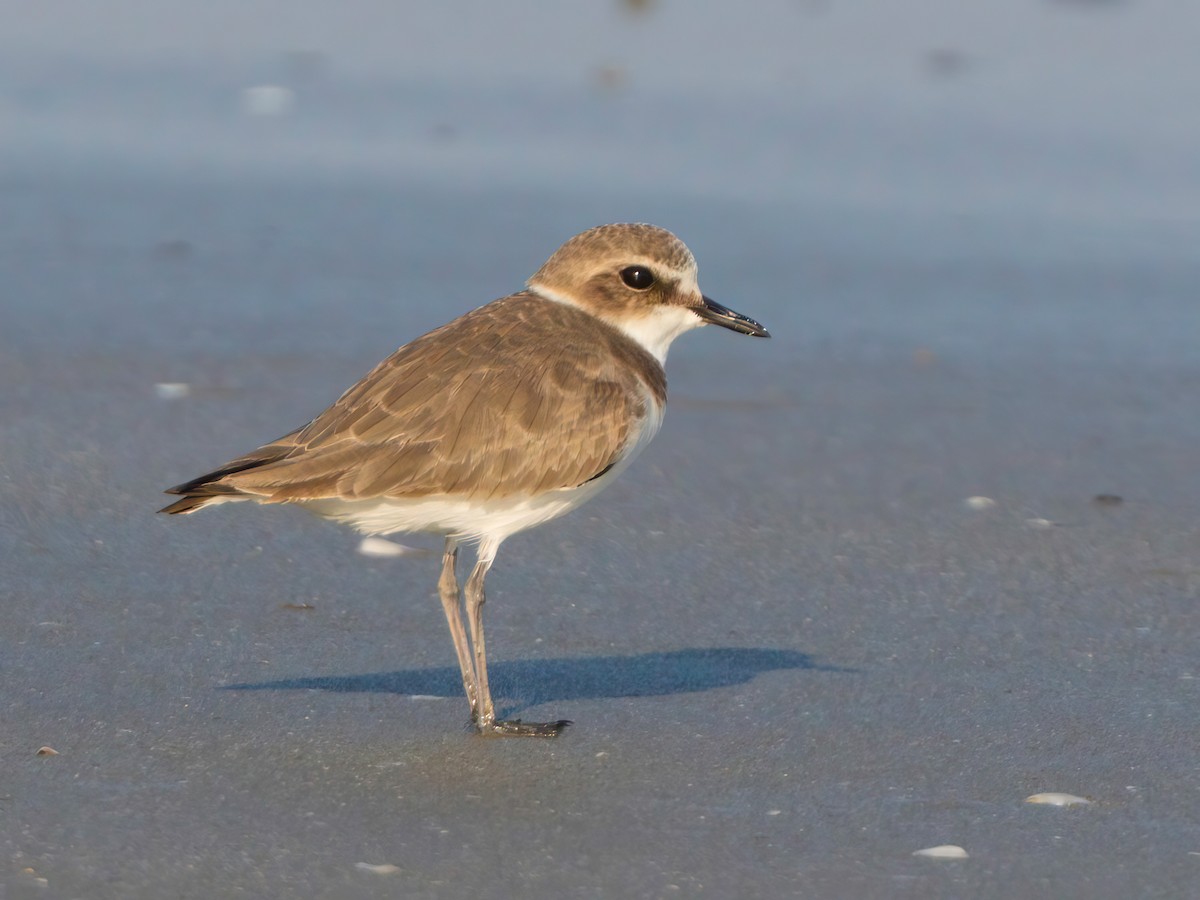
188, 504
210, 488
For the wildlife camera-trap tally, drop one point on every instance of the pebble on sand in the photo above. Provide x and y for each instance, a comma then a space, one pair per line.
979, 502
1054, 798
942, 851
34, 878
47, 751
923, 357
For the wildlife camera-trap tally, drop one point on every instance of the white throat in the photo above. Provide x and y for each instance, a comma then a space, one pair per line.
656, 329
653, 331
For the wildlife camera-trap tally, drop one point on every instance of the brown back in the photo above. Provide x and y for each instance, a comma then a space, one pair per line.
519, 396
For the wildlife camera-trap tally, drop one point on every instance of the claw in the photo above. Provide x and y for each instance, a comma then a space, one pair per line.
517, 728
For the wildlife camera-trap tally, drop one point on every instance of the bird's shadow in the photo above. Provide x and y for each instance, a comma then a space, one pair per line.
534, 681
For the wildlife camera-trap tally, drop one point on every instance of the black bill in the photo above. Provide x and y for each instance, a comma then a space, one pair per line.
714, 312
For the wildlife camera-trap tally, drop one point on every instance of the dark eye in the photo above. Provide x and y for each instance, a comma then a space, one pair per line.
638, 277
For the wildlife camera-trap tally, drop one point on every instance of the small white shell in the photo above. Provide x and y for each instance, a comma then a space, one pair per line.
381, 869
1054, 798
979, 502
267, 100
172, 390
1040, 524
377, 546
942, 851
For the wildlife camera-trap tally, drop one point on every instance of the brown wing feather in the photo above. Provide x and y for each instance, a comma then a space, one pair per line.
496, 403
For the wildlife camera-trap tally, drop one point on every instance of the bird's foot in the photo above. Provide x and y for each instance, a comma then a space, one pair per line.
517, 728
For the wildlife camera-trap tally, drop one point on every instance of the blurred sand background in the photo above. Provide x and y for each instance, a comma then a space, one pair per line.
794, 650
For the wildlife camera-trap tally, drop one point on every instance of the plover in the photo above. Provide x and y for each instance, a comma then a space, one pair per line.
507, 417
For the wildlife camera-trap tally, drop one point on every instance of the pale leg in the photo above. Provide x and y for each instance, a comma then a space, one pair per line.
486, 723
448, 591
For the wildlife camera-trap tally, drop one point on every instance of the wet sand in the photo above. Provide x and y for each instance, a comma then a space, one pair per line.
795, 649
794, 653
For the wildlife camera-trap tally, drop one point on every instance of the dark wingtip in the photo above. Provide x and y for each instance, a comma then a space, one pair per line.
196, 493
186, 505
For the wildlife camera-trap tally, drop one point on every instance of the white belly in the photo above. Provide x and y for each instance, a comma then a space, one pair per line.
490, 521
467, 520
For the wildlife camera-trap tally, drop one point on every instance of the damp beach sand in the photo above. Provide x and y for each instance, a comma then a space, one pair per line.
858, 600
